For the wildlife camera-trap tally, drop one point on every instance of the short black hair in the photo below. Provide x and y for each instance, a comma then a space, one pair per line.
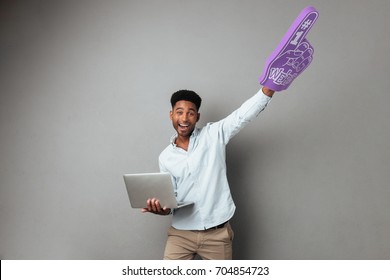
187, 95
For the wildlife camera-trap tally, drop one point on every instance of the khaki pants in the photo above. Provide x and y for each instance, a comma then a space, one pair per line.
211, 244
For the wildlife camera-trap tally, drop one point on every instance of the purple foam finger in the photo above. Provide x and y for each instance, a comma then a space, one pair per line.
285, 62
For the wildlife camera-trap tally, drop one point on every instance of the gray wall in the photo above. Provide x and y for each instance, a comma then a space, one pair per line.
84, 98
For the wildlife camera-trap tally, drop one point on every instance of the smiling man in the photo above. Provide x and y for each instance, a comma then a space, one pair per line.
196, 157
196, 160
184, 115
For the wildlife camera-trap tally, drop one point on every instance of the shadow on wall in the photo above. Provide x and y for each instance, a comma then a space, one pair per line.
243, 166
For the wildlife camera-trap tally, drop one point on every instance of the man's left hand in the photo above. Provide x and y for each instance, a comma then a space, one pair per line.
153, 206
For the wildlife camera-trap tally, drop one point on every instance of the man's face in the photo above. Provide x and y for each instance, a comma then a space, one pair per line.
184, 116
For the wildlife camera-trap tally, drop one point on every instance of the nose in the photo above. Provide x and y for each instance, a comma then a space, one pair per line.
184, 117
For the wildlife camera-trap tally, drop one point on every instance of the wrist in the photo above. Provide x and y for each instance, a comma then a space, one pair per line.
268, 92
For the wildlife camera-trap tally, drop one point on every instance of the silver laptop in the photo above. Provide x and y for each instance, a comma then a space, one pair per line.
142, 186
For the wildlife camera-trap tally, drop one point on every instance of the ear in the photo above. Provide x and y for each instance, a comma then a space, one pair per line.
170, 115
198, 118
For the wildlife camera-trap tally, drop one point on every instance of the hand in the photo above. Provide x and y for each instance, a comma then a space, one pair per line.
293, 54
285, 68
153, 206
268, 92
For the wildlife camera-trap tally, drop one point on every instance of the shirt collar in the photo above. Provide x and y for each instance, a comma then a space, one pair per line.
194, 134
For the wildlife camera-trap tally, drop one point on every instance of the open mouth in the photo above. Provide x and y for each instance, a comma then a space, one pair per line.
184, 127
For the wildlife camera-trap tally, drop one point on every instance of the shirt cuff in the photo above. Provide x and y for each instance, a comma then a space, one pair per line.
262, 96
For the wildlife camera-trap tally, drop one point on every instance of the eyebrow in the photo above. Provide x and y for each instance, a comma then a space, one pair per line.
181, 108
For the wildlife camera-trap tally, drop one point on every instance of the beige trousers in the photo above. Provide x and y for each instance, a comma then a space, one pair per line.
211, 244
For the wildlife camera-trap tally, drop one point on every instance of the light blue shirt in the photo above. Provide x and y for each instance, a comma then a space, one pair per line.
199, 174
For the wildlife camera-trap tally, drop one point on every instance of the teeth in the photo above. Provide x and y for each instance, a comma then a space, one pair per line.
185, 125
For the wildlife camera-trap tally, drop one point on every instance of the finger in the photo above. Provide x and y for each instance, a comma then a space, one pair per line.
153, 205
148, 205
304, 56
158, 206
299, 28
166, 210
302, 66
302, 47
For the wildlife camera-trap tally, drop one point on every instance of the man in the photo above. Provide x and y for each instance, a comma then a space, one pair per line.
196, 160
196, 157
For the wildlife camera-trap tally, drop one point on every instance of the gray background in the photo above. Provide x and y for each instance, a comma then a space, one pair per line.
85, 89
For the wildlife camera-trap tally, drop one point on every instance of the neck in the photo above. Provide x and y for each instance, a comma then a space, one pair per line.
182, 142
